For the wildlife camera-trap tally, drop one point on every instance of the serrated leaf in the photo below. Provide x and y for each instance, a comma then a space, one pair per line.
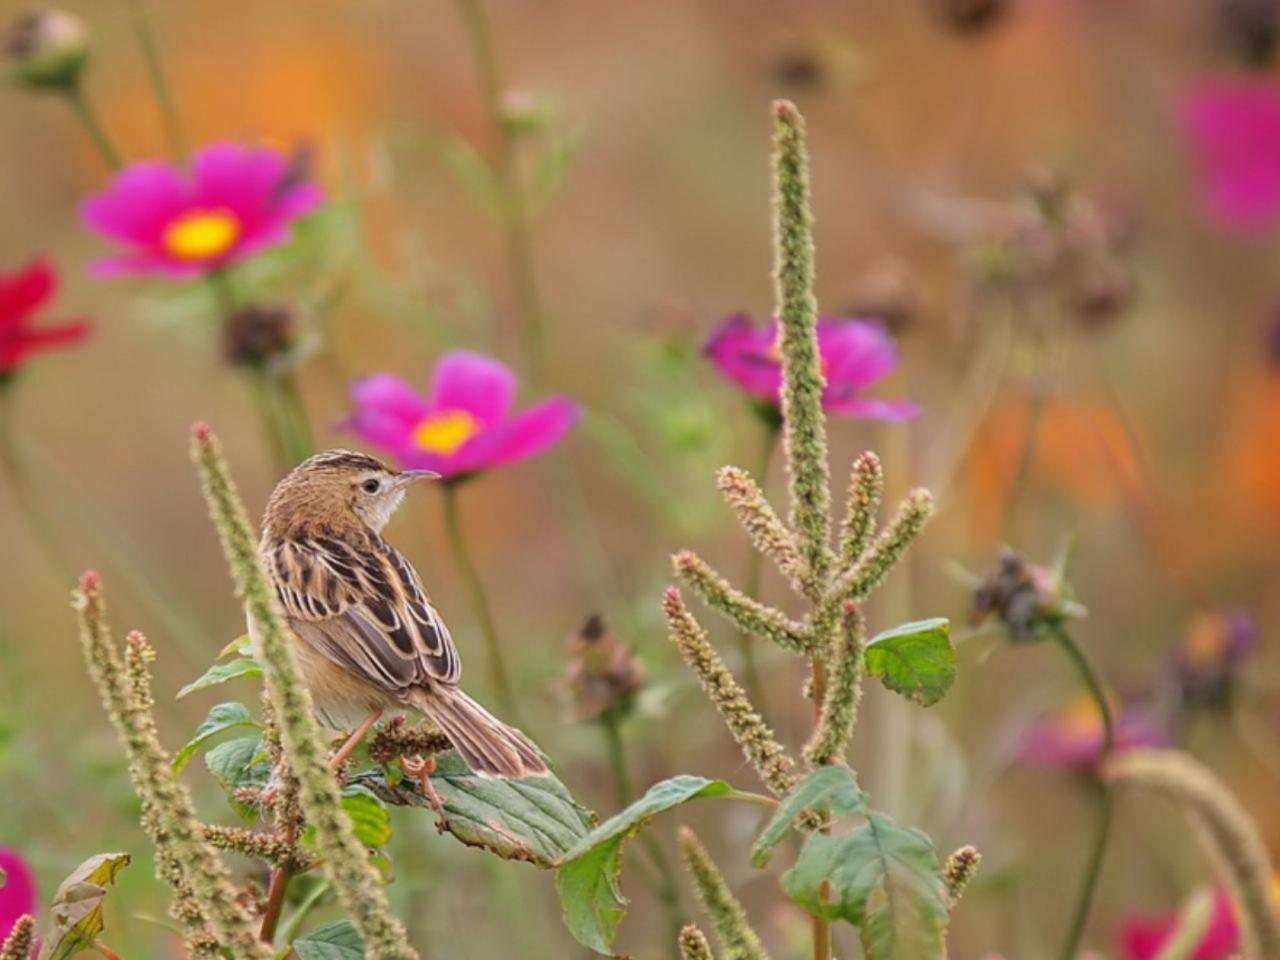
333, 941
916, 659
831, 790
221, 673
882, 878
588, 880
223, 717
75, 918
239, 763
534, 819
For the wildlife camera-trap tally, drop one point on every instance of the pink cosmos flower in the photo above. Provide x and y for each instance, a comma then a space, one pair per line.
22, 293
464, 423
234, 202
1143, 938
1072, 736
855, 354
18, 895
1233, 128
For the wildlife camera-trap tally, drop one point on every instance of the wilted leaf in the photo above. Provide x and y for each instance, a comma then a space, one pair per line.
221, 673
239, 763
75, 918
588, 879
830, 789
884, 879
334, 941
223, 717
915, 659
534, 819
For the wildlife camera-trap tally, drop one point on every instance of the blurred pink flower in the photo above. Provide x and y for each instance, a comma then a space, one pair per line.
1208, 660
22, 293
1142, 938
1233, 127
18, 895
1072, 736
234, 202
464, 424
855, 354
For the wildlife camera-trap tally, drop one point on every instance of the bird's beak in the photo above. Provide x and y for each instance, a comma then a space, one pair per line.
406, 477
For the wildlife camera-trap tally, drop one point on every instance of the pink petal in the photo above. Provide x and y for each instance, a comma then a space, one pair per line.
240, 179
865, 408
855, 353
528, 433
480, 385
18, 895
144, 263
25, 290
138, 204
742, 353
386, 411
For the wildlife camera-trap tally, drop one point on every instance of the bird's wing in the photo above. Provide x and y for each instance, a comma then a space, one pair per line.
364, 608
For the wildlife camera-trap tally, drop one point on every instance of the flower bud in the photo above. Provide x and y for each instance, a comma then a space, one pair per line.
604, 674
526, 114
254, 335
46, 50
1026, 598
1207, 661
970, 16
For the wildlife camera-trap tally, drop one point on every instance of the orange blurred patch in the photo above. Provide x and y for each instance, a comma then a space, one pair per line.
301, 89
1252, 456
1082, 452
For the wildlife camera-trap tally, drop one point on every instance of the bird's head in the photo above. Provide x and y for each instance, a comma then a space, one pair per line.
339, 489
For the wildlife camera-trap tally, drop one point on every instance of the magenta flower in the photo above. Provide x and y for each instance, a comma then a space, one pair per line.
855, 354
22, 295
1072, 736
1233, 127
1143, 938
463, 425
18, 895
234, 202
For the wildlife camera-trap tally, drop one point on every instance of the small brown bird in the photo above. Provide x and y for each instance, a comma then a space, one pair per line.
366, 637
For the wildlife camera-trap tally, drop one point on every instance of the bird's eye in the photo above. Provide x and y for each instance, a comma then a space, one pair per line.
370, 486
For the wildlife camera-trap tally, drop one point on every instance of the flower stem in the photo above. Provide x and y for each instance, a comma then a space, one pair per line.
818, 690
291, 926
145, 32
88, 118
513, 204
479, 603
746, 645
24, 491
1103, 804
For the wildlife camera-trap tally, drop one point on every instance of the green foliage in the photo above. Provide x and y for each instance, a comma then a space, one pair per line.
535, 819
238, 764
829, 791
333, 941
75, 917
219, 673
915, 659
882, 878
369, 817
221, 719
588, 879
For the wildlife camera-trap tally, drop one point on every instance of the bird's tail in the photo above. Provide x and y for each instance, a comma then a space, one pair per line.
489, 746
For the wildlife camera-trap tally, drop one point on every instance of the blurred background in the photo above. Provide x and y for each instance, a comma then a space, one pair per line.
1036, 198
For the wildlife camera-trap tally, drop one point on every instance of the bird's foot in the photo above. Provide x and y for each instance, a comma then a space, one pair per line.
420, 769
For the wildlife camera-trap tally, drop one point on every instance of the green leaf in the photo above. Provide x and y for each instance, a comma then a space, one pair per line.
368, 815
239, 763
534, 819
830, 790
221, 673
75, 920
915, 659
241, 645
223, 717
588, 879
884, 879
334, 941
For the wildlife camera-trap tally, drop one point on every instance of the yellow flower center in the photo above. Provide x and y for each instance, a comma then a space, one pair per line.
445, 431
201, 234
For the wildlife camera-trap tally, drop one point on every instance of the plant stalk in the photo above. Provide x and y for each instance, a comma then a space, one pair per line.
145, 32
479, 603
88, 118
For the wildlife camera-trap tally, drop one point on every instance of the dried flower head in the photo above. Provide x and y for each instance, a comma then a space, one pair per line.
1027, 599
604, 674
46, 49
1248, 29
1207, 662
256, 334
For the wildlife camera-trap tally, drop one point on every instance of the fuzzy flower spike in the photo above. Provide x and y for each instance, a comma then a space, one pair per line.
233, 202
855, 354
464, 424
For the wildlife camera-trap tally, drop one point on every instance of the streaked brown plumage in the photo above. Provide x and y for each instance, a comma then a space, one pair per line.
366, 637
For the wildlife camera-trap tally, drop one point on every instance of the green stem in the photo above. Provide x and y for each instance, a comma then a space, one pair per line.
24, 491
479, 603
88, 118
1102, 817
145, 32
293, 925
664, 883
514, 205
746, 643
